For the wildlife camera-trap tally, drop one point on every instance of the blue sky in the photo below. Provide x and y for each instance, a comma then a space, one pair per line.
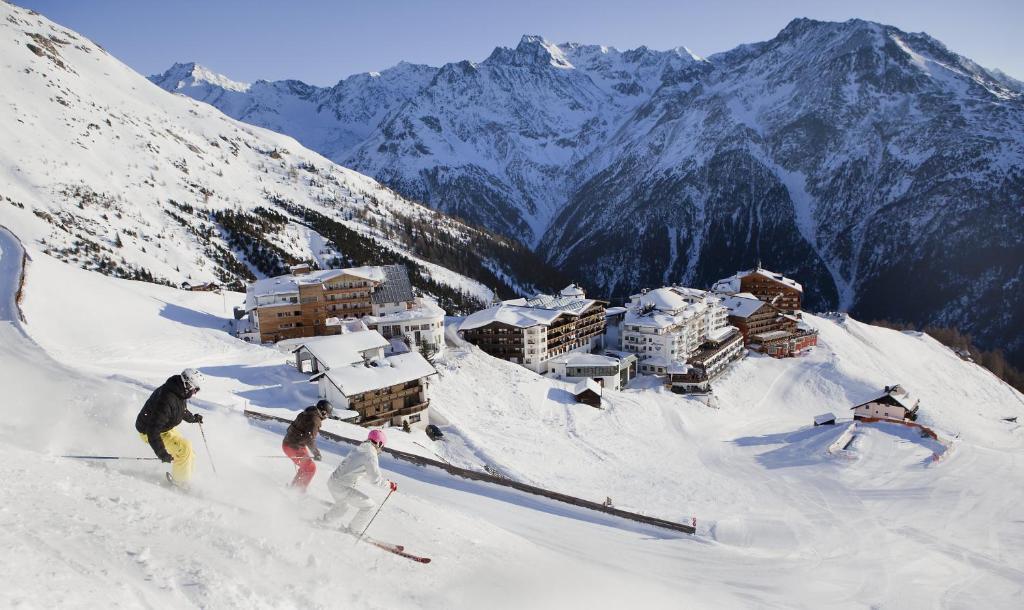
322, 41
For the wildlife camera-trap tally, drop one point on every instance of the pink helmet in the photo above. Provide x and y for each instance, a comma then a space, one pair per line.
377, 436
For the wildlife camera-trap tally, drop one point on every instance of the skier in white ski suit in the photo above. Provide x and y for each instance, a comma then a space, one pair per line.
362, 463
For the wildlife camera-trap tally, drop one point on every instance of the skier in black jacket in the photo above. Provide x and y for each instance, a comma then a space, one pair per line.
300, 439
163, 411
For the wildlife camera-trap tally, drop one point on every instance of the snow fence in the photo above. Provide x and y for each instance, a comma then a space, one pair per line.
495, 480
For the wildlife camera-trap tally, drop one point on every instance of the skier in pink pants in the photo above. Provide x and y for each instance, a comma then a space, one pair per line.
362, 463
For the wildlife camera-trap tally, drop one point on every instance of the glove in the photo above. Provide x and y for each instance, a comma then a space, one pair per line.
317, 456
394, 486
166, 458
197, 418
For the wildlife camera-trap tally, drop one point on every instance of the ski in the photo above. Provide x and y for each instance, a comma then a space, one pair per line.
391, 548
398, 547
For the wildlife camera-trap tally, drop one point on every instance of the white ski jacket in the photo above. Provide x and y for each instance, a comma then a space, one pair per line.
361, 464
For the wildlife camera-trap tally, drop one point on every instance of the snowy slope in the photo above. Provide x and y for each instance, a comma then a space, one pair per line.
889, 527
78, 534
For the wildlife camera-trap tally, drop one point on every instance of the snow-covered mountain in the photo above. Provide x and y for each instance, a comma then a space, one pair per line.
868, 161
494, 141
329, 120
112, 173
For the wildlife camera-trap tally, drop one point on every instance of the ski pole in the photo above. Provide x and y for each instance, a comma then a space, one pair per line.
208, 454
374, 516
434, 454
107, 457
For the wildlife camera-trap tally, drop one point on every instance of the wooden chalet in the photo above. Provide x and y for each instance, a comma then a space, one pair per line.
782, 292
753, 316
768, 330
385, 391
588, 392
894, 403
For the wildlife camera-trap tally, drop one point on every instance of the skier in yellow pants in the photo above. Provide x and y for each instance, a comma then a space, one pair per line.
157, 423
181, 452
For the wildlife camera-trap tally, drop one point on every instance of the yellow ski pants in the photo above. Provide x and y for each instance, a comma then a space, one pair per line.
181, 450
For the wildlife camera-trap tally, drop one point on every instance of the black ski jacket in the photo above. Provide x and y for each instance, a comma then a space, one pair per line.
165, 409
303, 431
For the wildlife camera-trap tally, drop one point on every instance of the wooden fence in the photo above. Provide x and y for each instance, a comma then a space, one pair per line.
503, 482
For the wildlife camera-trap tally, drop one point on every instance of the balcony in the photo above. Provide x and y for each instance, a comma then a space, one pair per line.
385, 417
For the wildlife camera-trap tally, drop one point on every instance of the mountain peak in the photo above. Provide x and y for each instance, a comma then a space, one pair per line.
191, 74
532, 50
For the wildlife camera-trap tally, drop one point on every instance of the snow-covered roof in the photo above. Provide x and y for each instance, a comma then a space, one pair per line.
621, 355
283, 284
656, 319
584, 359
771, 335
586, 384
742, 306
678, 368
524, 313
693, 293
425, 308
380, 373
375, 274
721, 333
665, 307
513, 315
904, 398
371, 272
567, 304
614, 311
572, 290
731, 284
662, 299
778, 277
344, 349
824, 418
289, 283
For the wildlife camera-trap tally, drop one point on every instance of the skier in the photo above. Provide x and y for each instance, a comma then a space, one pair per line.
301, 435
361, 463
157, 423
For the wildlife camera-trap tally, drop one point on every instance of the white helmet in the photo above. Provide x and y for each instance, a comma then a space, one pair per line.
193, 379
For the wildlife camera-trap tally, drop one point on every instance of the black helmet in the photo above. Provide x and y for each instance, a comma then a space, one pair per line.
325, 407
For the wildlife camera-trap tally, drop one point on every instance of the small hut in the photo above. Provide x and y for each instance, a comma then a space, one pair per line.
825, 419
588, 392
